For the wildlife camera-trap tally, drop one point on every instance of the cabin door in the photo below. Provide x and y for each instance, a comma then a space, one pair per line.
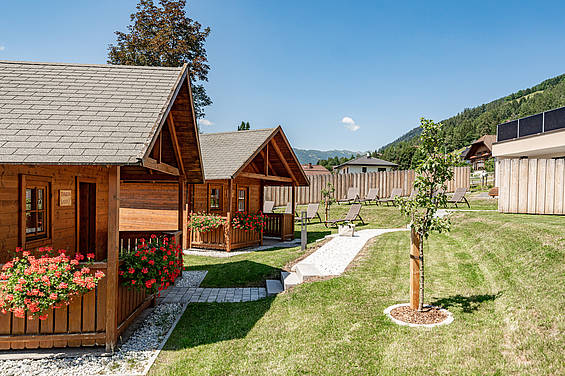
87, 217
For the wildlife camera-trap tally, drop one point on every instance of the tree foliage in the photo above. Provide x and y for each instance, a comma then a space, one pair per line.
464, 128
433, 171
163, 35
243, 126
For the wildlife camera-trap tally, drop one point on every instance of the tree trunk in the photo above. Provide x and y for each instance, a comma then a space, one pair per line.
421, 300
415, 241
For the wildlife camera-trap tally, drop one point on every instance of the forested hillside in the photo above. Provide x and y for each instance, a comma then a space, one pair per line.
465, 127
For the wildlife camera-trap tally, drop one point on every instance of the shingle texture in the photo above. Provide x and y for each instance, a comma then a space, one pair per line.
224, 153
80, 114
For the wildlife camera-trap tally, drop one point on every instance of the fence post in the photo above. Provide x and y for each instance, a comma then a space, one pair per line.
303, 231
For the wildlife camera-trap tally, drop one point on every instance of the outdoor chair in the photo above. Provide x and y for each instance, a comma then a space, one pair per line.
352, 215
352, 196
268, 206
459, 197
372, 196
311, 213
396, 192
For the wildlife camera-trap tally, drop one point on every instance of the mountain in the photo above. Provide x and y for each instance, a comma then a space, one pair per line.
313, 156
472, 123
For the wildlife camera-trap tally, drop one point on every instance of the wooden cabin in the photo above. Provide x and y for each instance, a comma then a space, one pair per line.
71, 136
237, 167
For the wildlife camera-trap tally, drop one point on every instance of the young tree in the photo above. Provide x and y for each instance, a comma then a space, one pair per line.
162, 35
433, 172
243, 126
328, 198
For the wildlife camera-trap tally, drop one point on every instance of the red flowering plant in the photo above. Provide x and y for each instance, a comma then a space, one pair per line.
205, 222
249, 222
34, 284
153, 266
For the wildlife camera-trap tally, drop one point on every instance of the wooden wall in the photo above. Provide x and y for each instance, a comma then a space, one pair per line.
148, 206
534, 186
63, 219
385, 181
200, 203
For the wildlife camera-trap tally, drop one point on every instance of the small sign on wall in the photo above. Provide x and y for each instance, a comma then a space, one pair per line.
65, 198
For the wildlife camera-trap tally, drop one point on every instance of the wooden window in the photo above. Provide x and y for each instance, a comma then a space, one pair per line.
242, 199
215, 202
35, 208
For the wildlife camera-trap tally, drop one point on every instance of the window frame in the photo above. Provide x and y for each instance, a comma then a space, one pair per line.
210, 188
44, 237
245, 199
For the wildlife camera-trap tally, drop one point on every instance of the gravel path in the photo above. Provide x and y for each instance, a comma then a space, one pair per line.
333, 257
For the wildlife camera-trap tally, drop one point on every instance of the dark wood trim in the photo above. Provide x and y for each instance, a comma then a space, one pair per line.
253, 175
161, 167
78, 180
181, 213
175, 142
283, 160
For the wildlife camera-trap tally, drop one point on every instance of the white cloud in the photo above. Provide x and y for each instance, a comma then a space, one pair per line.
2, 48
349, 123
205, 122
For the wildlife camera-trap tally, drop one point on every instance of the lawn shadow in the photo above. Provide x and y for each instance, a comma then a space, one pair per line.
466, 303
207, 323
243, 273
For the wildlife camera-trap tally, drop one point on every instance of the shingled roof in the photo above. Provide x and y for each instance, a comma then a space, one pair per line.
367, 161
223, 154
55, 113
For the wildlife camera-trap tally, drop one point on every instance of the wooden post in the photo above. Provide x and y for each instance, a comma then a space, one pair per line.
112, 257
303, 231
182, 214
227, 231
414, 269
293, 195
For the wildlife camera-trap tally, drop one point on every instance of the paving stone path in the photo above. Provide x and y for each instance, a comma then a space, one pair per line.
178, 294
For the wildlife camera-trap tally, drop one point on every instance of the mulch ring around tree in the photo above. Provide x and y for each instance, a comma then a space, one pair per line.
430, 316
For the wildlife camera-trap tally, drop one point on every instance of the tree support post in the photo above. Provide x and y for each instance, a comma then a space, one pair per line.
414, 269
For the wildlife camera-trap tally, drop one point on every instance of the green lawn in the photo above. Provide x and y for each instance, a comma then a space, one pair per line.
502, 276
253, 269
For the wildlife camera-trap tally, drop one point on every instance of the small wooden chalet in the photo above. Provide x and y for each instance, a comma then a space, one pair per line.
237, 166
480, 151
71, 136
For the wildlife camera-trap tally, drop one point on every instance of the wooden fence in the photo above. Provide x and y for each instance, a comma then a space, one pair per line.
385, 181
534, 186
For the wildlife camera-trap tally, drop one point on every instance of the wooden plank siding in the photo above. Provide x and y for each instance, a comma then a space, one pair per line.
385, 181
533, 186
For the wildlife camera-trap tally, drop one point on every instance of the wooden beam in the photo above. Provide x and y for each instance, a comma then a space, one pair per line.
265, 177
161, 167
266, 156
283, 159
175, 141
112, 257
182, 215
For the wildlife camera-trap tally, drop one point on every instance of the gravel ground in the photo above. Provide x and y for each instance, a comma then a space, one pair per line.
130, 359
191, 278
333, 257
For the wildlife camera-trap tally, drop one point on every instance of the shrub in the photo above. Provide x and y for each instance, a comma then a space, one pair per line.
205, 222
36, 284
153, 266
249, 222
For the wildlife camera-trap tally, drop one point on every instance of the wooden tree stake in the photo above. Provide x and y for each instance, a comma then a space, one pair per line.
414, 269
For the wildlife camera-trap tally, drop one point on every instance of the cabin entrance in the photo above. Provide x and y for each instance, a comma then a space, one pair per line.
86, 217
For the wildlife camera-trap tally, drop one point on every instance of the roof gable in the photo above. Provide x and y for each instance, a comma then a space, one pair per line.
226, 155
367, 161
84, 114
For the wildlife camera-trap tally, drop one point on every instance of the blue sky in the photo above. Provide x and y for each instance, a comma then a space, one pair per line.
307, 65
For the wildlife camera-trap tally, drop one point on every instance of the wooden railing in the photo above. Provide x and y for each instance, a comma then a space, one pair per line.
130, 239
279, 225
225, 238
81, 323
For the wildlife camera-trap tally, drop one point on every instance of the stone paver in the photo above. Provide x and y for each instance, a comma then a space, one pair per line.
177, 294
